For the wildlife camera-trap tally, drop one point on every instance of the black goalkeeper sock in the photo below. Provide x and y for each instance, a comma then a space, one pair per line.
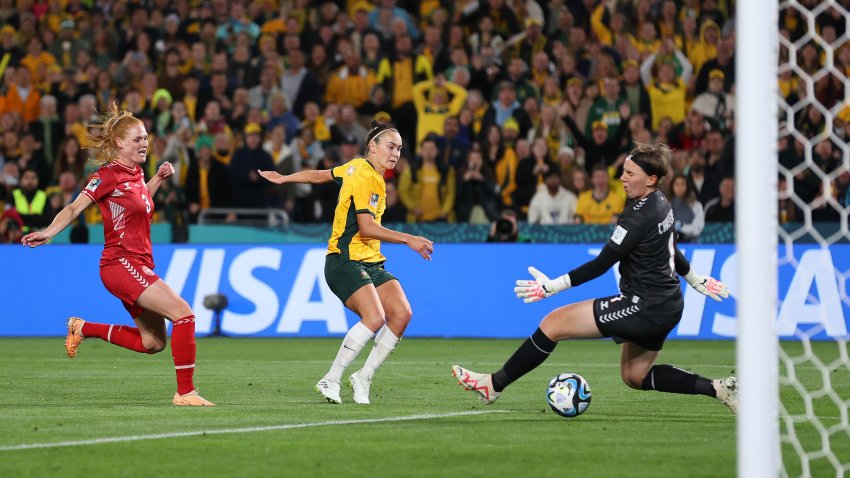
533, 352
667, 378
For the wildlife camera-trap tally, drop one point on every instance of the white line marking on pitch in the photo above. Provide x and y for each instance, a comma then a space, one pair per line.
223, 431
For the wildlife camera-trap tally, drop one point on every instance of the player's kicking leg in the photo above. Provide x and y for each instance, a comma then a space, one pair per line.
124, 336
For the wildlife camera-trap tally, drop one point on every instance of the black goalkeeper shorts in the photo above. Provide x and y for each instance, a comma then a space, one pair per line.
622, 318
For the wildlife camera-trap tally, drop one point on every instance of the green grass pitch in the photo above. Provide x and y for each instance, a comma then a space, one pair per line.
111, 410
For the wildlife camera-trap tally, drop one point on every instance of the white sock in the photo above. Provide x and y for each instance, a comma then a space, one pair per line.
385, 343
352, 344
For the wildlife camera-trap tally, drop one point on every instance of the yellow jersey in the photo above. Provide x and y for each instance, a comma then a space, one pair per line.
362, 190
592, 211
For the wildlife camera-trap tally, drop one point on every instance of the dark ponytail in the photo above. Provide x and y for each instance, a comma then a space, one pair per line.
376, 128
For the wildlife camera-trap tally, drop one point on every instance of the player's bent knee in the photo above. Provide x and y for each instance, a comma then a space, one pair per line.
181, 308
373, 323
154, 346
185, 305
632, 383
556, 328
401, 316
632, 379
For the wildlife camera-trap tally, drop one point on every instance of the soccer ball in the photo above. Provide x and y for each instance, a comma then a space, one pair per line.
568, 395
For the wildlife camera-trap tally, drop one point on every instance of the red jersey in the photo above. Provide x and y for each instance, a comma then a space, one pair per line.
122, 196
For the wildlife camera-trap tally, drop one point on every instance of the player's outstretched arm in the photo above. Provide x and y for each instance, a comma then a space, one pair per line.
370, 229
542, 287
312, 176
60, 222
705, 285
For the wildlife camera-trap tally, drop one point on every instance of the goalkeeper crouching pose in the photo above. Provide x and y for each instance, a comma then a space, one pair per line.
648, 307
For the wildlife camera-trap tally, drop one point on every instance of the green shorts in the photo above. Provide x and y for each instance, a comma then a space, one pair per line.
345, 276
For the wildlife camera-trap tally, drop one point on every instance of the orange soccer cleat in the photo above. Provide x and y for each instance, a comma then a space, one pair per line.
191, 399
75, 336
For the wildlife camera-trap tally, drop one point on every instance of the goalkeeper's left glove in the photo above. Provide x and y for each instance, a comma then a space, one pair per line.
706, 285
541, 287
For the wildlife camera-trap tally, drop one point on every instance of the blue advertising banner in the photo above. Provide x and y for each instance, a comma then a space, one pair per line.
466, 291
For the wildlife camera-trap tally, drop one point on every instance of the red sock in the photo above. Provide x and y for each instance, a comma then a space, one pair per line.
121, 335
183, 351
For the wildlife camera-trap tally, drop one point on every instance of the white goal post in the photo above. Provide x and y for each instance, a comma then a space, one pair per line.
756, 58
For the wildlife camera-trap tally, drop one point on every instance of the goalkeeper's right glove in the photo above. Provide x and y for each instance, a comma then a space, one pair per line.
541, 287
706, 285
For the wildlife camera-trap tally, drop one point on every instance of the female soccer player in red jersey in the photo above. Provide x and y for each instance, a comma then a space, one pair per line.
126, 265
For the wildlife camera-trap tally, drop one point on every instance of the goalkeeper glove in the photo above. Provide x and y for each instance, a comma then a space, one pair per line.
541, 287
706, 285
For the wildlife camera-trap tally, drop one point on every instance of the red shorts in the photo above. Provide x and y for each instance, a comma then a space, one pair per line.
126, 279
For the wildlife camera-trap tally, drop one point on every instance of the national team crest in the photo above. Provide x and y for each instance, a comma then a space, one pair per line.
373, 200
147, 270
93, 184
351, 170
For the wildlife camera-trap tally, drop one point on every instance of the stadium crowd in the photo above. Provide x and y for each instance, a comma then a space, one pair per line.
502, 104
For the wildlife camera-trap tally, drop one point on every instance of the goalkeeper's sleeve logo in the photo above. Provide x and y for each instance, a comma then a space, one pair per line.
618, 236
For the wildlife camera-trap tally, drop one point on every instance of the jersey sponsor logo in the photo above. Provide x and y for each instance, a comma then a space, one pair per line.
93, 184
147, 270
668, 221
373, 200
619, 234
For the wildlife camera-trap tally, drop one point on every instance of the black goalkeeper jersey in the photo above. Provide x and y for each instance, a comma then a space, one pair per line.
644, 236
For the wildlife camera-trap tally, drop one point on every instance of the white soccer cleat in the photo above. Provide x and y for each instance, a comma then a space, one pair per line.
361, 384
479, 383
329, 389
727, 392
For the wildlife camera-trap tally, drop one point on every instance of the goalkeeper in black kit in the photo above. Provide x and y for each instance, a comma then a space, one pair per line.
640, 317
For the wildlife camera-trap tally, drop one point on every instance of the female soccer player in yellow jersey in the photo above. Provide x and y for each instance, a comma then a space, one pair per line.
354, 265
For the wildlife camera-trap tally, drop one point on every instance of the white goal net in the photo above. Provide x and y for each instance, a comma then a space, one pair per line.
813, 252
